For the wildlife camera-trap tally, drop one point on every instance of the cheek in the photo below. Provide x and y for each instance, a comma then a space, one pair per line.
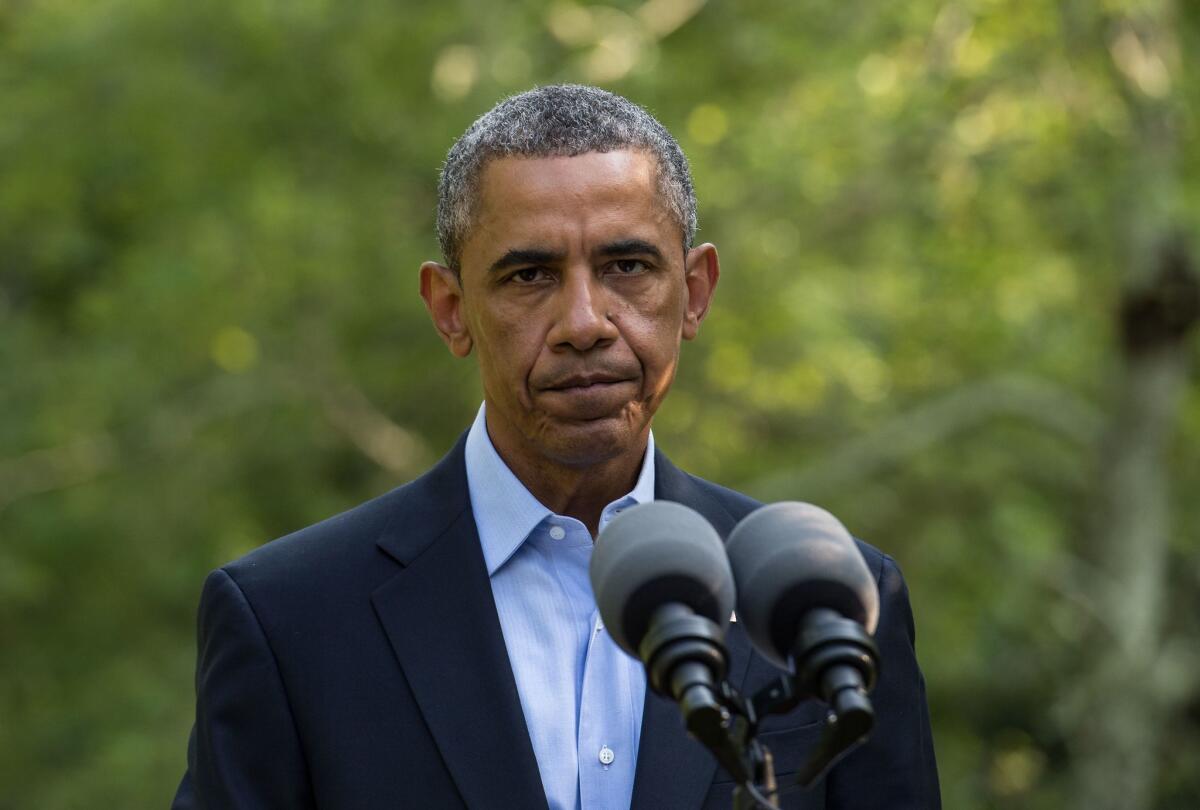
509, 345
654, 333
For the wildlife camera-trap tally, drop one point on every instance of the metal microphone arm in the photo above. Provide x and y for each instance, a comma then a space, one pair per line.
836, 661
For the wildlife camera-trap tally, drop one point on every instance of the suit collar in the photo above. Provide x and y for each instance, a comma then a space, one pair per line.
673, 484
426, 507
440, 618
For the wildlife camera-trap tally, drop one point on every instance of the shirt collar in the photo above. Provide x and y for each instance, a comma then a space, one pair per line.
505, 511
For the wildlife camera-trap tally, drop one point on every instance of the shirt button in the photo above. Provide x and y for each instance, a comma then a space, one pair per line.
557, 532
606, 755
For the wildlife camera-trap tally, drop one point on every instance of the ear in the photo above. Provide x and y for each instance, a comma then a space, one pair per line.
442, 293
701, 270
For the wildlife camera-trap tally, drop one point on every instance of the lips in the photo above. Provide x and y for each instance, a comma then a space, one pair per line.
585, 381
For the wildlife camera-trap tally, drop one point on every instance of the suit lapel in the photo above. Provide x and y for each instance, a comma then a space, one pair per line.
673, 770
439, 614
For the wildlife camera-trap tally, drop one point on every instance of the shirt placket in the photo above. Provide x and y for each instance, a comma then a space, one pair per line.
605, 748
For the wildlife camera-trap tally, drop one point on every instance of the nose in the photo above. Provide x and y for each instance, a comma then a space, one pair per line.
581, 318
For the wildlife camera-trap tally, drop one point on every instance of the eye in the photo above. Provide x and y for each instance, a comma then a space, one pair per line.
629, 267
528, 275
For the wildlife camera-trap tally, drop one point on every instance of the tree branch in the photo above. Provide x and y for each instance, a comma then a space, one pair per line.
1007, 396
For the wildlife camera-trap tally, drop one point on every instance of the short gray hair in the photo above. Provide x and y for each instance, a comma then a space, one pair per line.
561, 120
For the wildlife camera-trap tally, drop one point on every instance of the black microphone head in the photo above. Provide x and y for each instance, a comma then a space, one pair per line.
789, 558
654, 554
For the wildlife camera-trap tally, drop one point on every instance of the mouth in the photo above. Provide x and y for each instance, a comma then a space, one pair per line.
587, 397
585, 382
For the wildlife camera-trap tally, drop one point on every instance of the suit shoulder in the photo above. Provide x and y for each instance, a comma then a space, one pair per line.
345, 548
319, 549
739, 505
876, 559
736, 503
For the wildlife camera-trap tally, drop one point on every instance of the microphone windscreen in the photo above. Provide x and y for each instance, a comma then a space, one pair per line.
653, 554
789, 558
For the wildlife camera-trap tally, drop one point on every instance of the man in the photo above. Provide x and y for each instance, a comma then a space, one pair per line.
439, 646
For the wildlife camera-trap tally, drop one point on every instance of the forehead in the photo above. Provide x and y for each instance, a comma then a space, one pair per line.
568, 202
590, 172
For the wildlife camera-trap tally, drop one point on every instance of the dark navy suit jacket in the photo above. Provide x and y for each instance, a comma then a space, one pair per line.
358, 664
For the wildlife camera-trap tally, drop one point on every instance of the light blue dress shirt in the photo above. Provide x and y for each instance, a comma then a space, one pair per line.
581, 695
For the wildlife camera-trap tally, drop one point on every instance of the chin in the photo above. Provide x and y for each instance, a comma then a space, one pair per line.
585, 444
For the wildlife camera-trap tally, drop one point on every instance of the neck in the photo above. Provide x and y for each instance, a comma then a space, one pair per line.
578, 491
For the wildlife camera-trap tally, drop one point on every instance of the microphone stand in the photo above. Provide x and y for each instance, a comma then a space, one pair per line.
835, 660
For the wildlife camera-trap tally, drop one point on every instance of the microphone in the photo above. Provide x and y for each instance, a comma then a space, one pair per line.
665, 592
808, 603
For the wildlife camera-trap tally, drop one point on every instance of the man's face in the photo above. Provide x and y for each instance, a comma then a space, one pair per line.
575, 290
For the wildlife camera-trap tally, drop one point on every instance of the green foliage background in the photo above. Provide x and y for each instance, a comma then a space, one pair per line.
211, 216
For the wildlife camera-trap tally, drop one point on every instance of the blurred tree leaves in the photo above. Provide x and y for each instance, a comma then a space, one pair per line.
210, 220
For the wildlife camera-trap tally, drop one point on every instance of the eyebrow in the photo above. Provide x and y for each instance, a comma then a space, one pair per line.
540, 256
521, 256
629, 247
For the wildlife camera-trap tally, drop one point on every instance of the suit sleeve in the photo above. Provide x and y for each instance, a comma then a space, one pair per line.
895, 768
244, 752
